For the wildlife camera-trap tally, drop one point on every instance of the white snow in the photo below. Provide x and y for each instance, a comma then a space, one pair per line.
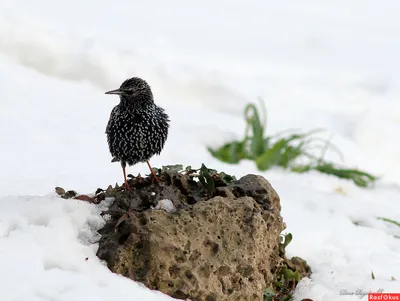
333, 65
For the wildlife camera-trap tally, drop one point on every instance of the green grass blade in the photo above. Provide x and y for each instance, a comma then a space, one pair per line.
271, 156
360, 178
257, 139
231, 153
389, 221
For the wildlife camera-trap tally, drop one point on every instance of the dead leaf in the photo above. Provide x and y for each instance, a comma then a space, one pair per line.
60, 191
84, 197
121, 220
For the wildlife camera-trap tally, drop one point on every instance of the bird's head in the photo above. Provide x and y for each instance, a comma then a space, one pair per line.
134, 92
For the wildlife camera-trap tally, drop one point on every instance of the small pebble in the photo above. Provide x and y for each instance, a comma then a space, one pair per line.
166, 205
60, 191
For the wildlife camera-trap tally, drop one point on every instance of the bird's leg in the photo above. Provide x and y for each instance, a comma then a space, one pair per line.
123, 164
152, 172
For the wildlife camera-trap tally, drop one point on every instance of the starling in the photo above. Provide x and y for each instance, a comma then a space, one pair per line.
137, 128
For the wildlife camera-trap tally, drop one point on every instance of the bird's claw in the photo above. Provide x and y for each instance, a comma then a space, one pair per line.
127, 187
154, 177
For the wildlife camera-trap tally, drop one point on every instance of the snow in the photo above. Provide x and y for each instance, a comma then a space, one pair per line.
332, 65
48, 253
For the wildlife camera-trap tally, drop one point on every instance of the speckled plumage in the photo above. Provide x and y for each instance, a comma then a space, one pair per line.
137, 128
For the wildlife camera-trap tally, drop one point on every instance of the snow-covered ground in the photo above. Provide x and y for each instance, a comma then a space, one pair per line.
333, 65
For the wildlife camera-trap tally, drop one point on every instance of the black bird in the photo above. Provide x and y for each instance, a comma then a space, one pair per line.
138, 128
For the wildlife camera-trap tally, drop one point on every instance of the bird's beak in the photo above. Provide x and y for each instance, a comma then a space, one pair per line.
116, 91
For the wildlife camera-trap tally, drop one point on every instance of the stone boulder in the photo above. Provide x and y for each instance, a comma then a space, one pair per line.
219, 244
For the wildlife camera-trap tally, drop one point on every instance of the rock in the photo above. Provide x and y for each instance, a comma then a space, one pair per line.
218, 247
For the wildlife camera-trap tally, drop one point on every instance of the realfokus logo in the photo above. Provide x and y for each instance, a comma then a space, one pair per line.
384, 296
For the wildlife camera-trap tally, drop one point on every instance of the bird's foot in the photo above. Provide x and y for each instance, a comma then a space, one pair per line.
154, 177
127, 187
